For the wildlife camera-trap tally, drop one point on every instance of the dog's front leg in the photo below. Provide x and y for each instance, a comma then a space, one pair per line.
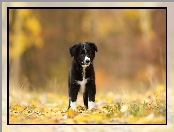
91, 100
73, 92
85, 99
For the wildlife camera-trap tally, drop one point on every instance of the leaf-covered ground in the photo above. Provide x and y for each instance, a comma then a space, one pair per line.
111, 108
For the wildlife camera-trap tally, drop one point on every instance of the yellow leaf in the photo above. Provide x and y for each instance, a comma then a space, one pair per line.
95, 118
81, 118
71, 113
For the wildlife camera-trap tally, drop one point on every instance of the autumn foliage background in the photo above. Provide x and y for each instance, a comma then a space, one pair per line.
130, 62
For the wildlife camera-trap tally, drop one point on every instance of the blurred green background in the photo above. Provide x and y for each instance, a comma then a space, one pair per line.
131, 47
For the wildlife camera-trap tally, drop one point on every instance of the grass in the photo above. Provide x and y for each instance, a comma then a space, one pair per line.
111, 108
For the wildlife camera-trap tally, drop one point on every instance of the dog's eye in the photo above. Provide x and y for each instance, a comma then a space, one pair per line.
89, 53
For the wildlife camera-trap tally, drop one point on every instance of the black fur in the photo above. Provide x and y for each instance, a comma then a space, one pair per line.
76, 72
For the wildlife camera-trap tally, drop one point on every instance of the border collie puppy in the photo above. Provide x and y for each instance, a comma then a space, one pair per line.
81, 76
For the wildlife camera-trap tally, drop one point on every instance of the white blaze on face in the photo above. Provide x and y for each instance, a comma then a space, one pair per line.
87, 59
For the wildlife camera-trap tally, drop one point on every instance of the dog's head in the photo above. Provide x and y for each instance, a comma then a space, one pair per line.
83, 53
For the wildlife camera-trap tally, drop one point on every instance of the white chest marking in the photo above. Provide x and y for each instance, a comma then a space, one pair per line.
83, 82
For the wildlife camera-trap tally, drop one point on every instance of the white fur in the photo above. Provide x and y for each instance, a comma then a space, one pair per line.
73, 105
82, 85
83, 82
91, 105
86, 58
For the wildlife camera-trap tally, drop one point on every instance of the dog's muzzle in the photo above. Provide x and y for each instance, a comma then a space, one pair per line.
86, 61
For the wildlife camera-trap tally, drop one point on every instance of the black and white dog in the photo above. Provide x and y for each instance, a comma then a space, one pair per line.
82, 76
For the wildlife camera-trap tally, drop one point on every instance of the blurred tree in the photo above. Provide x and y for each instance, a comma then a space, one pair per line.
51, 62
24, 32
131, 45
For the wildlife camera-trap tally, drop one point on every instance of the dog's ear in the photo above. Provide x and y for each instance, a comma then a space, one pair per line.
73, 49
93, 46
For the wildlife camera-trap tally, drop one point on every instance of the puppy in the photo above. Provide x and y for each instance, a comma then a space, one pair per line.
81, 75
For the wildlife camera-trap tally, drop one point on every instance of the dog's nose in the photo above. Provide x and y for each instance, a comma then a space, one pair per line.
87, 61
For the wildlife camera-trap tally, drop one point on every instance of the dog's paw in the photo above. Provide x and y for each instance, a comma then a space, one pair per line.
71, 113
91, 105
73, 105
